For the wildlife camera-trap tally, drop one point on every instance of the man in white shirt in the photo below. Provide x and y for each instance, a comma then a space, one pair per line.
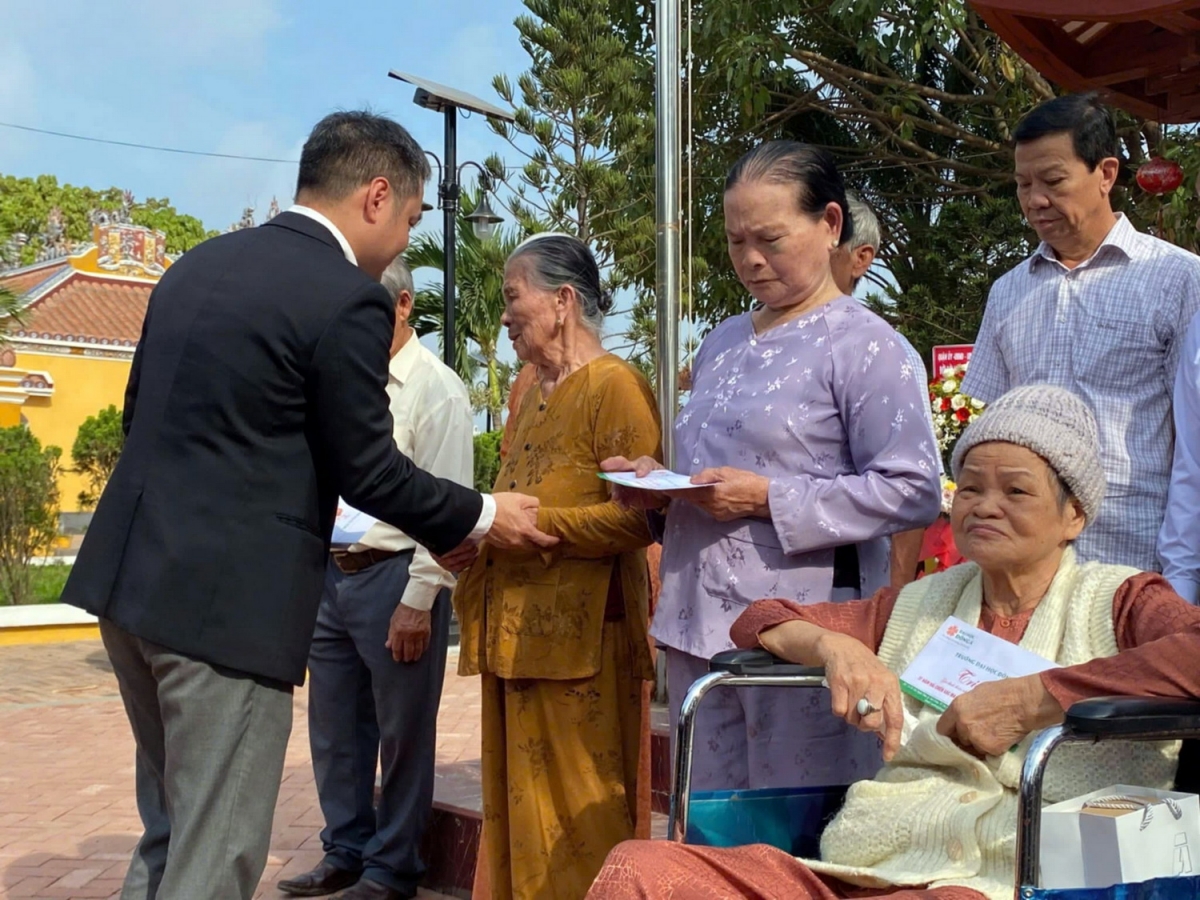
379, 650
1100, 309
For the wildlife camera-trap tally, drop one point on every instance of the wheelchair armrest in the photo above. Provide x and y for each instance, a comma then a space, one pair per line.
758, 662
1126, 716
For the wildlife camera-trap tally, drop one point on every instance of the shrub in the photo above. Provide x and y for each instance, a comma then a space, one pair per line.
28, 508
97, 448
487, 460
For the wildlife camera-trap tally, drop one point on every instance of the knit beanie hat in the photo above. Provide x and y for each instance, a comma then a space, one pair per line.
1056, 425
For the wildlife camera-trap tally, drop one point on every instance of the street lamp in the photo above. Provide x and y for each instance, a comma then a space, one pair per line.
484, 220
449, 101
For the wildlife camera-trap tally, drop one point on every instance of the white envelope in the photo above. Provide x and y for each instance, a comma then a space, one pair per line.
959, 657
350, 525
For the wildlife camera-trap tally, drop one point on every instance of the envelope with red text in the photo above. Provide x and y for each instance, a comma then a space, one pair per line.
959, 657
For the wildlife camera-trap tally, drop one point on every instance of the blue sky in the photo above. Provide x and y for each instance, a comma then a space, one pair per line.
232, 76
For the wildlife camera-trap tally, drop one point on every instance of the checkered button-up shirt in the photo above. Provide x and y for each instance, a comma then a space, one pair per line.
1109, 330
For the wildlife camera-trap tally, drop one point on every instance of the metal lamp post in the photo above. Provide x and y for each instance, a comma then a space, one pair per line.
449, 101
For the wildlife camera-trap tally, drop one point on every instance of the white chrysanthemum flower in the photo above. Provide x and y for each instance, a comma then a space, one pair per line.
976, 404
957, 401
949, 386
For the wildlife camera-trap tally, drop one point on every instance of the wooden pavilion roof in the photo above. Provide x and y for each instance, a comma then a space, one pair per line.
1142, 55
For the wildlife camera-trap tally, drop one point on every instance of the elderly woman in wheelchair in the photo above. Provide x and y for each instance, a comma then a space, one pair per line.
939, 820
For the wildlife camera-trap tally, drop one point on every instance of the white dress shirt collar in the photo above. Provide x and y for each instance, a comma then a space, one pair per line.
401, 365
334, 230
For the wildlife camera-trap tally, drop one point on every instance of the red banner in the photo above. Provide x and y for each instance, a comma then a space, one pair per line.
948, 356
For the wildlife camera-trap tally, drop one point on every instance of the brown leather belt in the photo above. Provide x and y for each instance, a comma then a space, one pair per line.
350, 563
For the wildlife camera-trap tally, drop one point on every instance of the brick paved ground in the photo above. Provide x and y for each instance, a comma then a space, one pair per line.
67, 815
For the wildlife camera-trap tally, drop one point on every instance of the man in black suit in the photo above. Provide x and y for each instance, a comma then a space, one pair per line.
256, 398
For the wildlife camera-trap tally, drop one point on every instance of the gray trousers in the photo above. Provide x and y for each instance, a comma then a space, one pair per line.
210, 750
365, 708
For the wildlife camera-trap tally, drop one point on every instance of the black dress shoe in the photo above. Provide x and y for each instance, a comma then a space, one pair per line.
324, 879
366, 889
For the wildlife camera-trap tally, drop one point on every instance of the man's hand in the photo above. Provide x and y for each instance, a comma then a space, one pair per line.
459, 558
635, 498
515, 525
995, 716
408, 633
735, 494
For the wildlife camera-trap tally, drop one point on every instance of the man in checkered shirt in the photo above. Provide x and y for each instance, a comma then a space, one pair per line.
1100, 309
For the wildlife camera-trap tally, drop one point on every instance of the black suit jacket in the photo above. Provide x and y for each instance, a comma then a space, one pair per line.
257, 397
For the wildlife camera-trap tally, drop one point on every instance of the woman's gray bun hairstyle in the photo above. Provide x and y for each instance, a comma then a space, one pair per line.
558, 259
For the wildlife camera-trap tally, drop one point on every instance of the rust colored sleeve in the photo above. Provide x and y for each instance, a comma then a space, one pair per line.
1158, 634
864, 620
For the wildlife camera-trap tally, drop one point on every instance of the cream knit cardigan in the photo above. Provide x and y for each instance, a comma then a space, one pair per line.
938, 816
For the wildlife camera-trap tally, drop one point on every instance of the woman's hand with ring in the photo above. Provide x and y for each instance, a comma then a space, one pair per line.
855, 675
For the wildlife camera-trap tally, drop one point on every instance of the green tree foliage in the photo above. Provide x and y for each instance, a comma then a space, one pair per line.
25, 205
585, 129
9, 312
916, 99
479, 281
487, 460
97, 448
28, 508
183, 231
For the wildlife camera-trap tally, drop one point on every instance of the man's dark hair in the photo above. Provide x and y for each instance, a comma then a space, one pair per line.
347, 149
1088, 121
809, 169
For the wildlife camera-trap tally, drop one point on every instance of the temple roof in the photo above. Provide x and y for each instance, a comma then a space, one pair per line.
95, 297
86, 309
1141, 55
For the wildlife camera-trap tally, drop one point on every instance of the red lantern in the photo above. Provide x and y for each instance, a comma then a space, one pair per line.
1159, 176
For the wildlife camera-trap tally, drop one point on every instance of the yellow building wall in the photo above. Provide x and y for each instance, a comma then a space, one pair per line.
83, 385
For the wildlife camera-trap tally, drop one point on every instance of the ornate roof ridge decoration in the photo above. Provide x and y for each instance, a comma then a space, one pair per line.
136, 245
1141, 55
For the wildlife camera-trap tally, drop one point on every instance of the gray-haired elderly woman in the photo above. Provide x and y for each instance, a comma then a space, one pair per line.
939, 821
560, 638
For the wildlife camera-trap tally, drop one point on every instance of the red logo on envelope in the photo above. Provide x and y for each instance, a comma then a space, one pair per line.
952, 631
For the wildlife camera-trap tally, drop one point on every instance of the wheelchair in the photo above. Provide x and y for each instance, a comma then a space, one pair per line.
1098, 719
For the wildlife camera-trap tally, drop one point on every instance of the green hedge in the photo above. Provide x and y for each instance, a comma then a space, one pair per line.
487, 460
45, 583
